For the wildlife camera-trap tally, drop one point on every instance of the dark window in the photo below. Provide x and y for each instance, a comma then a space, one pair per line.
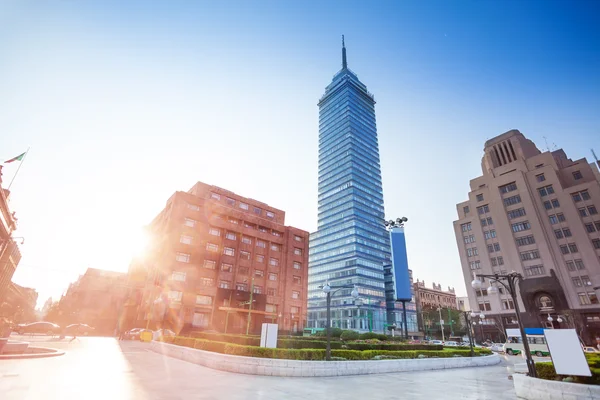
592, 210
540, 178
509, 201
577, 175
479, 197
508, 188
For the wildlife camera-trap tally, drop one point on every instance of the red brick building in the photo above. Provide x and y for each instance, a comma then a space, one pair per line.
217, 258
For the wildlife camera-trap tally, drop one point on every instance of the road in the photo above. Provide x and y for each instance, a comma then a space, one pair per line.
105, 368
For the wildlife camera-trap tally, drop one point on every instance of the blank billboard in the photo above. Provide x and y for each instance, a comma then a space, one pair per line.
400, 265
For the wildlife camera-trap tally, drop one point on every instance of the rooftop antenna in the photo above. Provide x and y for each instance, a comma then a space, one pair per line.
546, 140
344, 62
595, 157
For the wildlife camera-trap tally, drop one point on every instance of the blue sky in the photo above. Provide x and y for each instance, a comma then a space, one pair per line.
124, 104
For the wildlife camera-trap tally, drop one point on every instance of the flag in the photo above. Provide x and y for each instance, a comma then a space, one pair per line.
17, 158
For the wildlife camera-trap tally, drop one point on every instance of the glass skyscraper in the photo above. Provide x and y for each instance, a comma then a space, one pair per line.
351, 245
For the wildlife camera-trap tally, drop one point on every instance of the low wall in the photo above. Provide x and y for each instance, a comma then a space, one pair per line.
534, 389
276, 367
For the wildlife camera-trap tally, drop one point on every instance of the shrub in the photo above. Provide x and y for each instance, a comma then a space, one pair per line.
220, 337
373, 335
335, 332
385, 346
208, 345
306, 344
349, 335
184, 341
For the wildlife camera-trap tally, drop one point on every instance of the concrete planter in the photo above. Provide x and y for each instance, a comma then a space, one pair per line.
541, 389
276, 367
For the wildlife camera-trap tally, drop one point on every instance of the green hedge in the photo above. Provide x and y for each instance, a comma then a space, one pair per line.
306, 344
349, 335
389, 347
223, 337
314, 354
545, 370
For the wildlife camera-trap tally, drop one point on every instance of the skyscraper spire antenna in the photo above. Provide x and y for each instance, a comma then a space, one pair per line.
344, 62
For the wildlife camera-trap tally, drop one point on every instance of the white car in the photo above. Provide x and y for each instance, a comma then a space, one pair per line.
588, 349
451, 344
436, 342
497, 347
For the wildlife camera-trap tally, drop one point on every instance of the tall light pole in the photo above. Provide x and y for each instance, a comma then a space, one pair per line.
509, 281
441, 324
327, 290
467, 315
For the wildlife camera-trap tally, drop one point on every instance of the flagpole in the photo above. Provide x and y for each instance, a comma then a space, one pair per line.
20, 163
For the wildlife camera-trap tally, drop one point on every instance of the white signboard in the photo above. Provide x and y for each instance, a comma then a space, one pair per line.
566, 352
268, 336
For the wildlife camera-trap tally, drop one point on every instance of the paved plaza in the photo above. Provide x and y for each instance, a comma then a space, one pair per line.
104, 368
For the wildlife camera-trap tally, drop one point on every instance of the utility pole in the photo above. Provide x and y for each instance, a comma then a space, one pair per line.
250, 307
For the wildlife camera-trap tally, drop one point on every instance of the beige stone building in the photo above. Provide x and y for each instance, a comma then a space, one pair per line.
434, 297
535, 213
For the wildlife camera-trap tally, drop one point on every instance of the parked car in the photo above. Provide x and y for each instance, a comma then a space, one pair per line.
589, 349
78, 329
163, 333
134, 334
451, 344
436, 342
47, 328
497, 347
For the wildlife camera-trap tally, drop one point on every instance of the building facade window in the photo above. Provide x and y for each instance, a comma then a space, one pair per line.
175, 296
205, 281
212, 247
242, 287
203, 300
245, 255
521, 226
546, 190
230, 236
466, 227
271, 292
270, 214
540, 178
525, 240
214, 231
185, 239
297, 238
274, 247
297, 251
224, 284
519, 212
480, 197
272, 276
530, 255
228, 251
534, 270
483, 209
209, 264
178, 276
189, 222
215, 196
297, 280
274, 262
193, 207
259, 273
230, 201
260, 243
509, 201
260, 258
226, 267
257, 211
295, 294
182, 257
246, 240
508, 188
297, 265
577, 175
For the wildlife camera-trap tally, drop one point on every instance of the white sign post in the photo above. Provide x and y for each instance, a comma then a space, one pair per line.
566, 352
268, 336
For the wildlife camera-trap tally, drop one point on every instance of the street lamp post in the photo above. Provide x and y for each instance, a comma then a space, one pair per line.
327, 290
441, 324
468, 322
509, 281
